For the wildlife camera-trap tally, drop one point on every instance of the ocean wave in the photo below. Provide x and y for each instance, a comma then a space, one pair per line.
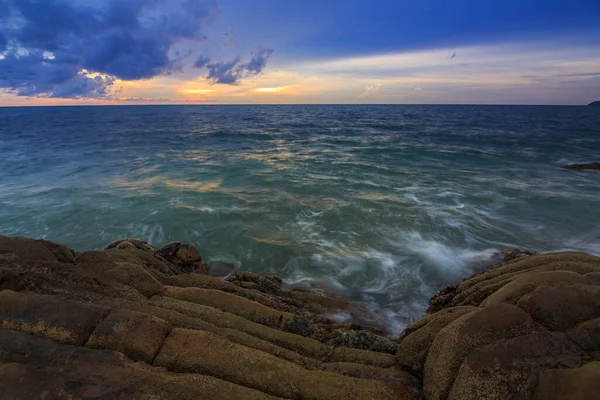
451, 260
374, 215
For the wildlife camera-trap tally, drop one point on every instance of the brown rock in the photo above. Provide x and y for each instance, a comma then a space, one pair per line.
9, 259
62, 253
300, 344
48, 317
295, 324
367, 357
414, 346
260, 283
587, 336
98, 302
138, 336
442, 298
208, 354
393, 375
138, 278
513, 254
563, 307
184, 257
150, 261
358, 338
188, 253
137, 243
474, 290
582, 167
126, 246
95, 260
8, 279
227, 302
509, 369
525, 284
97, 374
169, 250
592, 278
71, 281
465, 335
35, 250
19, 381
566, 261
202, 282
569, 384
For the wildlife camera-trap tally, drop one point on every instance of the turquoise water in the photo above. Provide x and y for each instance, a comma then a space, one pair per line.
382, 204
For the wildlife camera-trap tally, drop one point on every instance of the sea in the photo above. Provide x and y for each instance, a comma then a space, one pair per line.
382, 204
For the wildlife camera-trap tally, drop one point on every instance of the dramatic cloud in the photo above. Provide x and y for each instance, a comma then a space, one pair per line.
231, 72
55, 48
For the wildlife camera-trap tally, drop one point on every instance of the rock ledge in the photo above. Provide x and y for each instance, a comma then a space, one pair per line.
134, 321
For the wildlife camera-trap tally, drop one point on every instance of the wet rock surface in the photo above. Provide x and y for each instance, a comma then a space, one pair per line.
527, 329
134, 321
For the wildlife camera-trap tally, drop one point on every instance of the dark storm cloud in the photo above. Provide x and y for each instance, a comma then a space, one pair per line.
34, 74
47, 43
231, 72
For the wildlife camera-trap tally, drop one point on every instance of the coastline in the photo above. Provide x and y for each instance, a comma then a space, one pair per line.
132, 320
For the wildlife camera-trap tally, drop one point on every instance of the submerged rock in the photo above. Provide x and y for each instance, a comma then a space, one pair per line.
582, 167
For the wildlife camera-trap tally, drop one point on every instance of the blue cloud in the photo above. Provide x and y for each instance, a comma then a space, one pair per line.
224, 72
48, 43
231, 72
258, 61
201, 62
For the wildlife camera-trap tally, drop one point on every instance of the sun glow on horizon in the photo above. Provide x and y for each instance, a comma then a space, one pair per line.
271, 89
197, 91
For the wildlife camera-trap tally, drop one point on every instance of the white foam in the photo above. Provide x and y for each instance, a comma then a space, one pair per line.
411, 196
448, 194
339, 318
307, 219
445, 257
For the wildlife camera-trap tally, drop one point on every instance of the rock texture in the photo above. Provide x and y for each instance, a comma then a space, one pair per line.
528, 329
133, 321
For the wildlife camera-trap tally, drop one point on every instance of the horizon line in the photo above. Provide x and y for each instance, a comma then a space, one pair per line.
291, 104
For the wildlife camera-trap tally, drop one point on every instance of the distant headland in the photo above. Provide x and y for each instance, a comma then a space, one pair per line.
594, 104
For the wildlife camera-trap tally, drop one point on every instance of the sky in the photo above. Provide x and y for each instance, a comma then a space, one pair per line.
68, 52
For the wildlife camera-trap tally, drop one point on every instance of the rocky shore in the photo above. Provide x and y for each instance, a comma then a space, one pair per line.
132, 321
